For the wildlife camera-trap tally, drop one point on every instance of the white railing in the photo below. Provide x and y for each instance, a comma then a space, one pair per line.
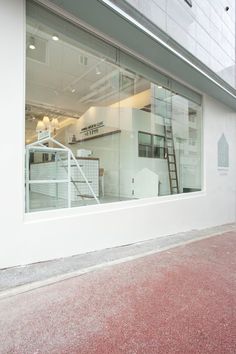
39, 146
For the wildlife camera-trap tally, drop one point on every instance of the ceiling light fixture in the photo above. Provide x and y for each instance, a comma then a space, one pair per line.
55, 37
32, 43
55, 123
40, 126
47, 125
46, 122
73, 90
159, 87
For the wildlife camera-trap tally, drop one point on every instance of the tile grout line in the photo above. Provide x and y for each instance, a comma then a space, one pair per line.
59, 278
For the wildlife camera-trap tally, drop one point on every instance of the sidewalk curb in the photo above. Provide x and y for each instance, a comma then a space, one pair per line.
59, 278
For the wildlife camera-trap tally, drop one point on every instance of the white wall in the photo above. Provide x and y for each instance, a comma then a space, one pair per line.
47, 235
105, 148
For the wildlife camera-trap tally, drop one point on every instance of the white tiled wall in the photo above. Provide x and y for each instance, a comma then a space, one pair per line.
206, 29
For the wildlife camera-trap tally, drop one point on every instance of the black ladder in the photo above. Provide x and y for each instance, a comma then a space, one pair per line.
170, 155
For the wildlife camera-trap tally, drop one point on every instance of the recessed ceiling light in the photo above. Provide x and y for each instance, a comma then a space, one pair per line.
73, 90
159, 86
55, 37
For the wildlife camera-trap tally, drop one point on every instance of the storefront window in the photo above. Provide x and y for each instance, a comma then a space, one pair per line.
118, 133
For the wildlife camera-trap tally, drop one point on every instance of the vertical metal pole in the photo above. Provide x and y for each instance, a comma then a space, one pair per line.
69, 180
27, 179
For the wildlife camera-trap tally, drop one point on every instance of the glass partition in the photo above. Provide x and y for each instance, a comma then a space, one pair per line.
134, 133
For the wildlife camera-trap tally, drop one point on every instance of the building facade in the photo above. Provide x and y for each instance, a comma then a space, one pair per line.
205, 29
118, 121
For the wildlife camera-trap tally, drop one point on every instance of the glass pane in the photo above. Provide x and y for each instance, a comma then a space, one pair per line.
47, 196
187, 140
48, 166
168, 129
145, 139
130, 135
145, 151
159, 141
72, 90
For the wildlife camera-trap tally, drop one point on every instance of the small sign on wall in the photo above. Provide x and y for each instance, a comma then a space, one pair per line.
223, 153
92, 129
44, 134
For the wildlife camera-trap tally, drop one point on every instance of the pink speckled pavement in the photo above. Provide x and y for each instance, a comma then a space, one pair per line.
178, 301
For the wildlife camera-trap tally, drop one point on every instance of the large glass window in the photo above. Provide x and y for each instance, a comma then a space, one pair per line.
118, 129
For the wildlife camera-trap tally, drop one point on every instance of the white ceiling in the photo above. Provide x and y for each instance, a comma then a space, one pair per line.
69, 78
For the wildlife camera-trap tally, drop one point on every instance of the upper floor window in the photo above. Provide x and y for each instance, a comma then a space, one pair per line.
150, 145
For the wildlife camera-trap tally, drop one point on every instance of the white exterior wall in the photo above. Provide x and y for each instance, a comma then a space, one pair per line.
46, 235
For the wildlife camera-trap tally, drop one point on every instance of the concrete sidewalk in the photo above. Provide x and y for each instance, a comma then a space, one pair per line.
182, 300
23, 278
